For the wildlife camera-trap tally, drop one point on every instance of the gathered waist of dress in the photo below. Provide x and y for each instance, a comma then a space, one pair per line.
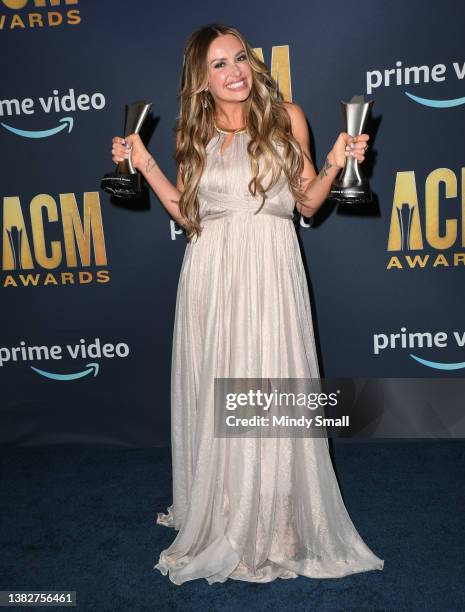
218, 205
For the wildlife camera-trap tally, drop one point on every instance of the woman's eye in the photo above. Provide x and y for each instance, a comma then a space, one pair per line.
241, 57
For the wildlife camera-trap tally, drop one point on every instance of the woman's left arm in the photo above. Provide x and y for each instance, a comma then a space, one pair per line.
315, 187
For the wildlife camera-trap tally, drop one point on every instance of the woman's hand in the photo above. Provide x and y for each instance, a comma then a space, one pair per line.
131, 145
346, 145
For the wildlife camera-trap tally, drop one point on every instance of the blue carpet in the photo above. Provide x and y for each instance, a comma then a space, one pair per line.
83, 519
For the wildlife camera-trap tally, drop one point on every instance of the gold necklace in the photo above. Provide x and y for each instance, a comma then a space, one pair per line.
238, 131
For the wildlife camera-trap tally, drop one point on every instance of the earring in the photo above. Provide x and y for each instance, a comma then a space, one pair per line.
205, 100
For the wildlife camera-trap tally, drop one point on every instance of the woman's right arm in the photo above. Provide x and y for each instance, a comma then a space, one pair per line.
166, 192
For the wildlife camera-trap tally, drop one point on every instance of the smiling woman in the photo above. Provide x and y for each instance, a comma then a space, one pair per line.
252, 509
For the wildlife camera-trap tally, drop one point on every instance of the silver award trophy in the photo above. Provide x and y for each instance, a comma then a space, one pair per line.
126, 181
350, 186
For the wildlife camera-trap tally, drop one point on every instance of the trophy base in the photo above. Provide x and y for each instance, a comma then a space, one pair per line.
359, 194
122, 185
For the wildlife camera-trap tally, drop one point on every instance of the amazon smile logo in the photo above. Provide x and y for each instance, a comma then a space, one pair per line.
25, 353
403, 76
12, 110
436, 103
91, 368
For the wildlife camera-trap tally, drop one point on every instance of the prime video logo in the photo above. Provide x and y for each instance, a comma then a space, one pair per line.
56, 103
408, 75
82, 350
419, 340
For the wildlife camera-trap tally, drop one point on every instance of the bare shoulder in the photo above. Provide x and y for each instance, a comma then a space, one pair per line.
301, 133
298, 120
293, 109
295, 112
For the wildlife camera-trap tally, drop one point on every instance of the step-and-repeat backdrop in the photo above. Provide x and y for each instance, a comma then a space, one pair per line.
88, 285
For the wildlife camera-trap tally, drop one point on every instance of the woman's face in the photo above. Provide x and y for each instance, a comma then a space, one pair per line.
229, 72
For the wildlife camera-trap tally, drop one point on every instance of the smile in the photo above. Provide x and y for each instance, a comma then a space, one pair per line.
236, 85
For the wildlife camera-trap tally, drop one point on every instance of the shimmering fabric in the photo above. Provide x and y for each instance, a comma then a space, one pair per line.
248, 509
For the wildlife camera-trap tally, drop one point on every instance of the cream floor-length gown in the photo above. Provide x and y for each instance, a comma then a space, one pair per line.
248, 509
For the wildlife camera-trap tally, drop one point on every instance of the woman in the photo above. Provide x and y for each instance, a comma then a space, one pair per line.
263, 508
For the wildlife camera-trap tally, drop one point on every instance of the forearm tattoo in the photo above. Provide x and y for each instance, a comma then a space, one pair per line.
150, 164
324, 170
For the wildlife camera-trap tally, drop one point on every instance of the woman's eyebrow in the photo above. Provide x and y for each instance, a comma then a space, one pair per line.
218, 59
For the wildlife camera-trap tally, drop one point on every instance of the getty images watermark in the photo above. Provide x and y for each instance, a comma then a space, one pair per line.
340, 407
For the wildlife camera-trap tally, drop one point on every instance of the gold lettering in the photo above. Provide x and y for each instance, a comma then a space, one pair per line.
280, 69
103, 276
40, 3
394, 263
67, 277
405, 194
35, 18
30, 279
38, 234
413, 261
13, 228
74, 17
463, 207
440, 261
50, 279
75, 233
432, 208
54, 18
16, 21
9, 281
15, 4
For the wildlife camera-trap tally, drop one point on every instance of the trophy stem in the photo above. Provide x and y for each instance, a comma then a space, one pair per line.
126, 181
135, 117
350, 186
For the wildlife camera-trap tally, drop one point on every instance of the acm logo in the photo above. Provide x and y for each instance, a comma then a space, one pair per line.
30, 14
438, 228
52, 238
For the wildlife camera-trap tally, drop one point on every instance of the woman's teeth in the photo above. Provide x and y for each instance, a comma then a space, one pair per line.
236, 85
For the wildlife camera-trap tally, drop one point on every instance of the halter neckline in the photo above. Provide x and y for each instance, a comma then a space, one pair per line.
221, 131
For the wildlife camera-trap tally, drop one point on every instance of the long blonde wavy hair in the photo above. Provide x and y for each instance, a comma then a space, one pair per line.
266, 119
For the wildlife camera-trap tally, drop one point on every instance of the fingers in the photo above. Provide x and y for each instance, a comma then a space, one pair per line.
359, 155
356, 146
120, 149
358, 142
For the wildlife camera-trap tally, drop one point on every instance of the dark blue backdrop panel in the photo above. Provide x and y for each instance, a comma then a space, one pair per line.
97, 280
